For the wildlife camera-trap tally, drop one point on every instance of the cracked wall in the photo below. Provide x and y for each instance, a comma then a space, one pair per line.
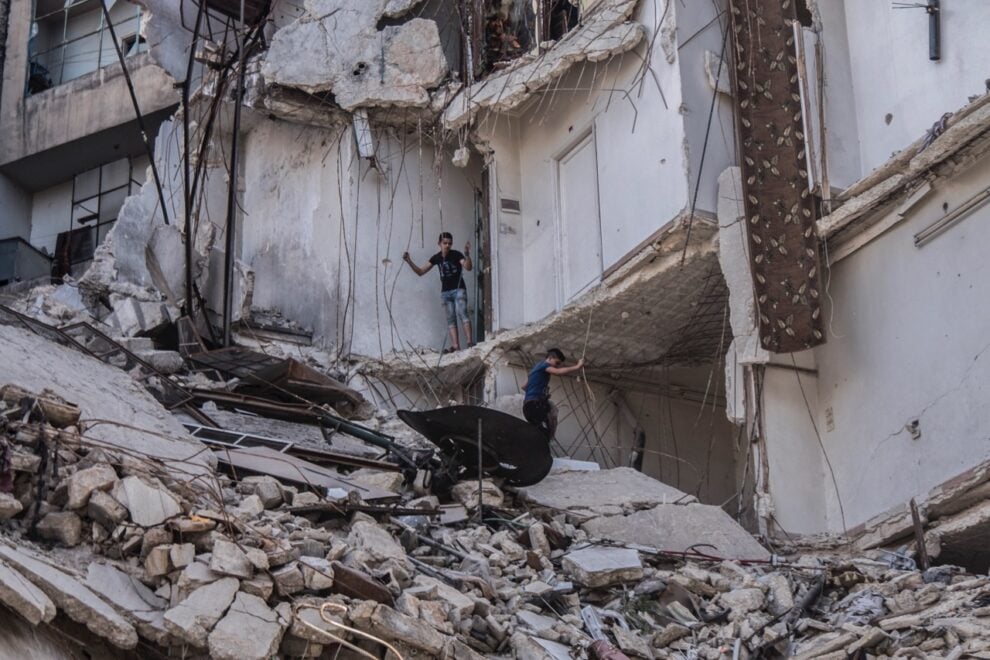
906, 342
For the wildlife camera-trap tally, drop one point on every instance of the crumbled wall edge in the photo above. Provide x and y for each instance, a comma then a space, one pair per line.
897, 177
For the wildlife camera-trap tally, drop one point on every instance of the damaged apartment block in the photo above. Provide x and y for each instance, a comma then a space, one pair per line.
235, 424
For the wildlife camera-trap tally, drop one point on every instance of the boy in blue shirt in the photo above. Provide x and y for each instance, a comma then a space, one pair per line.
537, 407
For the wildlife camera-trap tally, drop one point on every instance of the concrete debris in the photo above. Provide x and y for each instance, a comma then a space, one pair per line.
240, 567
194, 618
349, 56
72, 597
676, 528
23, 597
604, 491
250, 631
147, 504
601, 567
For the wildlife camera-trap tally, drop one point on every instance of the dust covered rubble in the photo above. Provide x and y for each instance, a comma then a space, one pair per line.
237, 569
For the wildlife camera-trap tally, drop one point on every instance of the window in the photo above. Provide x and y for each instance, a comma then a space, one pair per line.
512, 28
70, 38
97, 196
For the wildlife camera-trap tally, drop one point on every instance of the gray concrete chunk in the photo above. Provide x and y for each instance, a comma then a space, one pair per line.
10, 506
75, 599
192, 619
62, 526
147, 505
677, 528
250, 631
588, 490
20, 595
132, 599
600, 566
104, 509
229, 559
84, 482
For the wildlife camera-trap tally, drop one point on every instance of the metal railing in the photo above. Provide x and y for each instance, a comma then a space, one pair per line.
74, 55
20, 261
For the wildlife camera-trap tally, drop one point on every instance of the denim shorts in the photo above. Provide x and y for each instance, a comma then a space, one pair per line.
455, 304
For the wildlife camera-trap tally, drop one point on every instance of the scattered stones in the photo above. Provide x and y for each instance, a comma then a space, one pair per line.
84, 482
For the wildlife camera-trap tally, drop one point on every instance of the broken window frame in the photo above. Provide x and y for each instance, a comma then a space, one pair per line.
42, 65
70, 252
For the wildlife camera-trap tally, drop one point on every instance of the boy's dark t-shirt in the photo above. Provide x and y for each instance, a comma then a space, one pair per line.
538, 385
450, 270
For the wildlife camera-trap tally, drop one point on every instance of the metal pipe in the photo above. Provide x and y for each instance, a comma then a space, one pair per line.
187, 174
934, 30
229, 246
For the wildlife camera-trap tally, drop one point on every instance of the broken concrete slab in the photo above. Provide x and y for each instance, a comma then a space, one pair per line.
250, 631
64, 527
289, 579
82, 483
599, 566
317, 573
466, 492
676, 528
147, 504
138, 424
538, 623
395, 626
446, 593
132, 599
105, 510
194, 618
369, 537
348, 55
20, 595
9, 506
229, 559
390, 481
133, 317
588, 491
527, 647
72, 597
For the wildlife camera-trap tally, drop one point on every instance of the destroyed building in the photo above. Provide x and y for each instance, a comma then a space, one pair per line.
758, 222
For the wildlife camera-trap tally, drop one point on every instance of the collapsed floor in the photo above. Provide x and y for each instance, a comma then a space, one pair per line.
125, 534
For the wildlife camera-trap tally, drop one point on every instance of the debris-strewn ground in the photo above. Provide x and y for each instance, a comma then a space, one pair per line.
117, 530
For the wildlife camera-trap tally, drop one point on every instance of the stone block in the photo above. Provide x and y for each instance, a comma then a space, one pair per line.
62, 526
229, 559
10, 506
194, 618
250, 631
466, 492
268, 490
597, 566
390, 481
317, 573
182, 554
72, 597
20, 595
260, 585
133, 317
157, 563
106, 510
82, 483
289, 579
148, 505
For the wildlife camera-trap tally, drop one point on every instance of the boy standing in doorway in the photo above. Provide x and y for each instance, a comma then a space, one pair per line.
453, 290
537, 407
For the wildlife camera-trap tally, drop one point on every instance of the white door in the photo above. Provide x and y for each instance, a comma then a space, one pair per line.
580, 226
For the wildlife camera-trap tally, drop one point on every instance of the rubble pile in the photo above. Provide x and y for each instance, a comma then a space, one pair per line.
253, 568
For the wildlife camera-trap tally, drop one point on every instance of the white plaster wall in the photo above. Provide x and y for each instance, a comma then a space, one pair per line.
508, 227
908, 339
325, 234
641, 175
698, 32
841, 132
798, 484
891, 72
15, 210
